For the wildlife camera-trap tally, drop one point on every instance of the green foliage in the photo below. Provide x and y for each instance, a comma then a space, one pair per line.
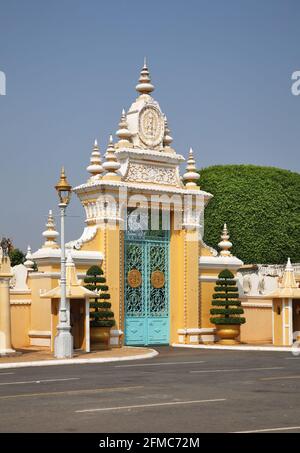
100, 315
261, 206
229, 311
16, 257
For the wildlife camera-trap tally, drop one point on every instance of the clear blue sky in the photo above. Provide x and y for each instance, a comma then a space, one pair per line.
222, 71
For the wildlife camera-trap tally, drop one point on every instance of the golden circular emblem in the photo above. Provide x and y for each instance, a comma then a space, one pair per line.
157, 279
134, 278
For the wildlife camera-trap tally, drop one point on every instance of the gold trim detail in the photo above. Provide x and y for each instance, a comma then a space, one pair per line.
157, 279
134, 278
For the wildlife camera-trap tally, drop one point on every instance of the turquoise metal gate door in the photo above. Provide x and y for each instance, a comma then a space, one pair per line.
147, 290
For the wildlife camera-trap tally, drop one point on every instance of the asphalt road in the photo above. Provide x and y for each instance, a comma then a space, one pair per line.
180, 390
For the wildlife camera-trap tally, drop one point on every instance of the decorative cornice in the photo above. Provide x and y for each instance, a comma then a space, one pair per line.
20, 302
88, 234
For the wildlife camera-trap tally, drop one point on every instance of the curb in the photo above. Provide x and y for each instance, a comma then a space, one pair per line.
235, 348
149, 355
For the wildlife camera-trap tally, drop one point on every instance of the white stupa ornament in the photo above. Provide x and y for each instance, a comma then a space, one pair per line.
289, 279
225, 245
95, 168
29, 263
123, 133
50, 234
144, 86
111, 164
191, 176
167, 137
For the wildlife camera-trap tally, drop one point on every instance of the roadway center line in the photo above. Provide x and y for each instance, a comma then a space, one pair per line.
1, 374
141, 406
280, 377
267, 430
72, 392
237, 369
40, 381
158, 364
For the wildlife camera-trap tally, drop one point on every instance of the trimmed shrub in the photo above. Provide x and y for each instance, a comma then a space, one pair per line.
228, 311
100, 315
261, 206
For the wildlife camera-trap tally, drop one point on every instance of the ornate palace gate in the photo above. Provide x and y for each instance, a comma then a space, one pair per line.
147, 288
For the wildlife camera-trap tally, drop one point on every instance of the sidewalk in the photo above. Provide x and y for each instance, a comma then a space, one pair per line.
38, 356
241, 347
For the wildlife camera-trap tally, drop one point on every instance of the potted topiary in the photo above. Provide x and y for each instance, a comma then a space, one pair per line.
226, 298
101, 316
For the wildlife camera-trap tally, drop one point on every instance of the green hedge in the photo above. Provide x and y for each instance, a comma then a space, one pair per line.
261, 206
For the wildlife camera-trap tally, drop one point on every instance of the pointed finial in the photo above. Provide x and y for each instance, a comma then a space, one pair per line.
95, 167
191, 175
29, 263
123, 133
225, 245
167, 137
144, 86
50, 234
289, 279
111, 164
289, 266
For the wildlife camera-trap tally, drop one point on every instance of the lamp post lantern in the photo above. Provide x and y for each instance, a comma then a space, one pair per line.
63, 343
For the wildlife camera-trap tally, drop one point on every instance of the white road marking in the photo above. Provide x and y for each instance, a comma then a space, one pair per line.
237, 369
73, 392
1, 374
267, 430
279, 378
157, 364
38, 382
141, 406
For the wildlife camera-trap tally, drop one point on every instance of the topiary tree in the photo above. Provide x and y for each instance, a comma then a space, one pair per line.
261, 206
101, 315
226, 298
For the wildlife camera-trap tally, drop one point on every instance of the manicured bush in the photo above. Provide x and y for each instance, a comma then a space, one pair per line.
261, 206
101, 315
228, 311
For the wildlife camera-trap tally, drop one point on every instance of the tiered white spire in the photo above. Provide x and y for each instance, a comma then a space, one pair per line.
144, 86
50, 234
111, 164
95, 167
167, 137
225, 245
289, 279
123, 133
191, 176
29, 263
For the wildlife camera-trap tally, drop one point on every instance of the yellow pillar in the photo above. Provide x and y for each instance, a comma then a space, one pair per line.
5, 323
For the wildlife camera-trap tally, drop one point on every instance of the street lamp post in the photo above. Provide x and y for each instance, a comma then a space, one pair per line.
63, 343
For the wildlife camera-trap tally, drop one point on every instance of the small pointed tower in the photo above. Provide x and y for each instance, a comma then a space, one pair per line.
29, 264
111, 164
144, 87
167, 137
225, 245
123, 133
289, 279
50, 234
191, 176
95, 168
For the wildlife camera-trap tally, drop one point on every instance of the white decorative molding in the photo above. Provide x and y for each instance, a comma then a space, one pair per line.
151, 173
88, 234
257, 304
20, 302
220, 262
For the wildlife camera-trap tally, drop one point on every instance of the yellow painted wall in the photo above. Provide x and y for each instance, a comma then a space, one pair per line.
20, 325
258, 326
